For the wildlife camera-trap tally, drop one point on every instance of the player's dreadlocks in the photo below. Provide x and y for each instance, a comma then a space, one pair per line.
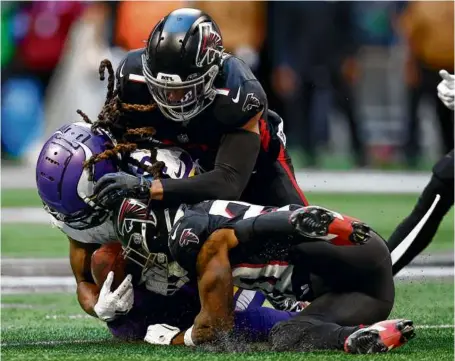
114, 119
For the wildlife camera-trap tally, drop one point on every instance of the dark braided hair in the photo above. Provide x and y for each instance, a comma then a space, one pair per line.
112, 118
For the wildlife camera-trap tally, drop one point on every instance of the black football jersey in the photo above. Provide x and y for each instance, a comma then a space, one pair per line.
265, 266
239, 97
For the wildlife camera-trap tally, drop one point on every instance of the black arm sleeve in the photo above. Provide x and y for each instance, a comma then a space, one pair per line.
233, 167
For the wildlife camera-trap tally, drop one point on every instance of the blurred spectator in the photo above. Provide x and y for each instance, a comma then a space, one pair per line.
76, 83
134, 20
242, 26
428, 28
36, 32
314, 47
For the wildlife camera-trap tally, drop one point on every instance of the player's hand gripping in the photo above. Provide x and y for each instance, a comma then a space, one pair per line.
110, 305
113, 187
446, 89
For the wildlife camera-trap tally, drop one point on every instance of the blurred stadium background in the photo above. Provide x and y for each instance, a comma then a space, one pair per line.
354, 81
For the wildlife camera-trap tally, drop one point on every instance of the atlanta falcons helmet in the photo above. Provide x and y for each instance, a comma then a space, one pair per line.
180, 62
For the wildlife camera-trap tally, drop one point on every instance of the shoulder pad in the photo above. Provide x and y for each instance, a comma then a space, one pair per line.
240, 95
186, 239
131, 82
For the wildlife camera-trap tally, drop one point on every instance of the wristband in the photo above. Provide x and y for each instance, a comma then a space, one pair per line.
187, 337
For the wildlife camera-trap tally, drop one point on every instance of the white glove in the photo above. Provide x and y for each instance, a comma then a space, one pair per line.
446, 89
161, 334
110, 305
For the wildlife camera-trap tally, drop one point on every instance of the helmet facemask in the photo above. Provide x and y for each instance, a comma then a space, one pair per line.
84, 219
156, 272
180, 100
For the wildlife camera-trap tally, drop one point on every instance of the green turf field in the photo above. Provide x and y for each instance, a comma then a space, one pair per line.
382, 212
29, 321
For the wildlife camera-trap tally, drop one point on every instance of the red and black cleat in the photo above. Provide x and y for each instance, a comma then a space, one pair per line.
381, 337
321, 223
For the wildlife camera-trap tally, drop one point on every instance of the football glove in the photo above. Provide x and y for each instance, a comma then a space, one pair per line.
446, 89
110, 305
113, 187
161, 334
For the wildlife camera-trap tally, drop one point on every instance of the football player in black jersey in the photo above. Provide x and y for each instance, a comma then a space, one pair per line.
210, 104
309, 253
418, 229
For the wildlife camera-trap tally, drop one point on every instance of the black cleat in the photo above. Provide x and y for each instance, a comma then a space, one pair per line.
312, 221
381, 337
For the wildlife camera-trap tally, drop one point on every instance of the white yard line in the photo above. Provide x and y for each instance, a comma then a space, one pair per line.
52, 343
423, 272
430, 327
12, 284
371, 181
25, 215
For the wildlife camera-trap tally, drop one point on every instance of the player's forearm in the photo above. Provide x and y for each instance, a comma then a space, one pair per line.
233, 167
218, 183
206, 329
87, 295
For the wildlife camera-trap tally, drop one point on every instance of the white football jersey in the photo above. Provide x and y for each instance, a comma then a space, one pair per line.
178, 162
104, 233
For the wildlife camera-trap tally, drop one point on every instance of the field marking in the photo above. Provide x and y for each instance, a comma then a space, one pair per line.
53, 343
45, 284
313, 181
68, 342
429, 327
34, 215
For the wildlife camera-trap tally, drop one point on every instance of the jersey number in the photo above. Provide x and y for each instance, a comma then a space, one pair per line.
220, 208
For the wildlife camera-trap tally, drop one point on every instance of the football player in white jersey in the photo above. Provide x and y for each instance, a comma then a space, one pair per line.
69, 165
65, 187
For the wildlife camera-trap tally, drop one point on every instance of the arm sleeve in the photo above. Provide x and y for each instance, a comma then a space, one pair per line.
233, 167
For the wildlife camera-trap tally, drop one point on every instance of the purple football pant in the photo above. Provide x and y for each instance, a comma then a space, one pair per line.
253, 323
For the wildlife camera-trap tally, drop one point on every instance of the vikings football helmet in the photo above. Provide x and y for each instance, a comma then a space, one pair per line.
181, 60
64, 185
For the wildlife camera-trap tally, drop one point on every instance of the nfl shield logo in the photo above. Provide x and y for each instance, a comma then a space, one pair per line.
183, 138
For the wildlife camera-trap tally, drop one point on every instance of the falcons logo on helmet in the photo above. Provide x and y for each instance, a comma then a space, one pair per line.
133, 212
210, 45
188, 237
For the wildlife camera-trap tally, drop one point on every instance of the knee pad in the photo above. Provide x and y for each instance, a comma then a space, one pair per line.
435, 187
288, 335
444, 169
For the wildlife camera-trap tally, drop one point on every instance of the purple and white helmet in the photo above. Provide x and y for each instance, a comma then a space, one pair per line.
63, 184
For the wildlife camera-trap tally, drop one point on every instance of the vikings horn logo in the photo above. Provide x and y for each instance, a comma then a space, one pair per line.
132, 212
209, 47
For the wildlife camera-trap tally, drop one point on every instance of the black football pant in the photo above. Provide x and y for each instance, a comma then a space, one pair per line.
429, 80
274, 184
353, 286
416, 231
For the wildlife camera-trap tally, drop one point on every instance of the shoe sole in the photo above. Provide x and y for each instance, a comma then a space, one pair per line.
323, 218
371, 342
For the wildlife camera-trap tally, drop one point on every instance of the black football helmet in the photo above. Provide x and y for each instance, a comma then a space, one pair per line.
182, 58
